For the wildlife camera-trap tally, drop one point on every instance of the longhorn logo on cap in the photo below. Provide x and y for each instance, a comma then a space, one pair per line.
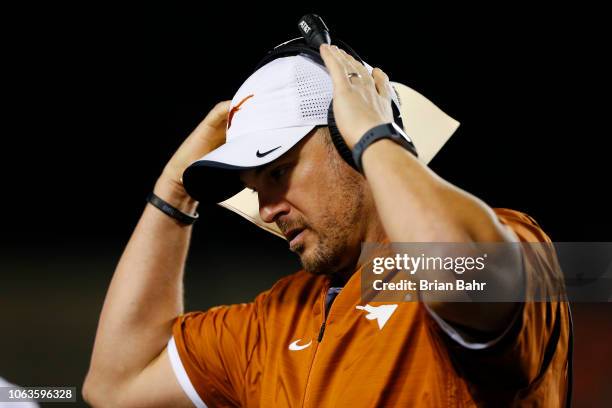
235, 109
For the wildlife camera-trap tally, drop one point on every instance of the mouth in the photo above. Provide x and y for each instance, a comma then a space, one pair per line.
294, 236
292, 233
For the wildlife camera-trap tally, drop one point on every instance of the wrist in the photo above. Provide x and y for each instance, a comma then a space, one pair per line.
389, 131
360, 132
376, 148
174, 194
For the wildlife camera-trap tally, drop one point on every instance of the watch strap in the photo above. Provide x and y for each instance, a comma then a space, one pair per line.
384, 131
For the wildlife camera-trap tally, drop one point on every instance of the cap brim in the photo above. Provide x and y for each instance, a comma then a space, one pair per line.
214, 177
427, 125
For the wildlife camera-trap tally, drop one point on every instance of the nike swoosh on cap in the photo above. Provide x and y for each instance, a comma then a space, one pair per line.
266, 153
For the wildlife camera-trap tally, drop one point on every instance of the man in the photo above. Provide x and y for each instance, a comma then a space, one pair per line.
310, 340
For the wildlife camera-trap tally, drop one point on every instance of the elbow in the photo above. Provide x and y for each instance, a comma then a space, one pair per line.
91, 391
98, 393
88, 391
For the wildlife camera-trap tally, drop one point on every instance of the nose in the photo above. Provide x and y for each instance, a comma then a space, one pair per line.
272, 206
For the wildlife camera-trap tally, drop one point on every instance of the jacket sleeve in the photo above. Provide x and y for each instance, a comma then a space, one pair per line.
536, 342
210, 351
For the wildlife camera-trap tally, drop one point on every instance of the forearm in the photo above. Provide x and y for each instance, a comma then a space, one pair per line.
145, 293
413, 203
416, 205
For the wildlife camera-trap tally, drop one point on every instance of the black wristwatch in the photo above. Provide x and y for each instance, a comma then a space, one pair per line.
385, 131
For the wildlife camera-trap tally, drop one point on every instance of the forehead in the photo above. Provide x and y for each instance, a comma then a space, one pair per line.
249, 175
296, 153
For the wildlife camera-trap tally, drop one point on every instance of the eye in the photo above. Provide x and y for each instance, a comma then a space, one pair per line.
279, 172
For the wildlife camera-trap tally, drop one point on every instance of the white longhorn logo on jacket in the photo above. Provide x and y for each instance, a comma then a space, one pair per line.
380, 313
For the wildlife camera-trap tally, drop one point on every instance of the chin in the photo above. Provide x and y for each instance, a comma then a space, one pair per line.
309, 260
317, 261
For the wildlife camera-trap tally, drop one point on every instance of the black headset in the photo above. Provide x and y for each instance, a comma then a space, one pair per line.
314, 33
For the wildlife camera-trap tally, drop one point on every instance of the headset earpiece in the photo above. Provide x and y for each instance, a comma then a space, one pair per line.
337, 138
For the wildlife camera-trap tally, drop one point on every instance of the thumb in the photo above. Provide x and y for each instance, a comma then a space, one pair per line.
211, 131
206, 137
218, 114
382, 82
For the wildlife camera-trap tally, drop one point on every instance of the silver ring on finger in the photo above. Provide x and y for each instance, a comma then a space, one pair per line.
350, 75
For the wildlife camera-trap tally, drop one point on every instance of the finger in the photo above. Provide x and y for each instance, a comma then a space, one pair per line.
382, 83
223, 106
352, 65
218, 115
344, 61
211, 130
357, 66
336, 67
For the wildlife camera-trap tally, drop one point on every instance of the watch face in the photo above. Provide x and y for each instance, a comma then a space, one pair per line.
400, 133
401, 137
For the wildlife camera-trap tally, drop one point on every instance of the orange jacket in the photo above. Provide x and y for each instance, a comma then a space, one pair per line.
270, 353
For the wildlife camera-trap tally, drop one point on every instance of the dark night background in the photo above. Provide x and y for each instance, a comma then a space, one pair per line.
97, 99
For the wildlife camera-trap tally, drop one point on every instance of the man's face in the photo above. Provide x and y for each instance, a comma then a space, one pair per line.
317, 200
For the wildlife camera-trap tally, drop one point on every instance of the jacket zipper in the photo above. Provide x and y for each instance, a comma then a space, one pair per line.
320, 337
322, 330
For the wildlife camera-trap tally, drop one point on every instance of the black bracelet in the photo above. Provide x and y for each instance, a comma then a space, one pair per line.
171, 211
385, 131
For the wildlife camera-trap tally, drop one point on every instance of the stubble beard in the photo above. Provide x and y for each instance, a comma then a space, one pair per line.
333, 233
331, 249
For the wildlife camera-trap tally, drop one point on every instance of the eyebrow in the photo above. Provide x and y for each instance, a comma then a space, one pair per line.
258, 171
277, 161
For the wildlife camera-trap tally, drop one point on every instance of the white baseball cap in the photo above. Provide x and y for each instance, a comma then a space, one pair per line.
274, 109
277, 106
428, 126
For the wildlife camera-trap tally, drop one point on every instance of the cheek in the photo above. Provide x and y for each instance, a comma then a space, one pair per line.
314, 192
